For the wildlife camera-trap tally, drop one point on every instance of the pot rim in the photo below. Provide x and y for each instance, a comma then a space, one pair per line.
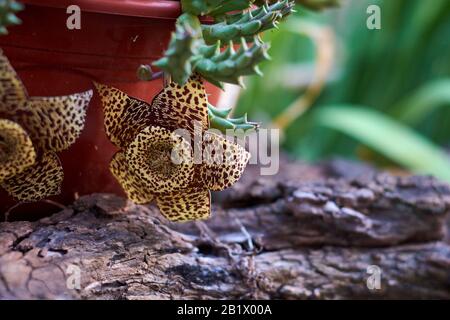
163, 9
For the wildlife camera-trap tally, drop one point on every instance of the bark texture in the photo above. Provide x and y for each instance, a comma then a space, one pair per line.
300, 239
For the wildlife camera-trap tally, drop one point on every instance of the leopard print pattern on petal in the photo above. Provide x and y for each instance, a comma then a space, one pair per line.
181, 106
124, 116
223, 162
39, 181
12, 92
135, 189
54, 123
191, 204
16, 149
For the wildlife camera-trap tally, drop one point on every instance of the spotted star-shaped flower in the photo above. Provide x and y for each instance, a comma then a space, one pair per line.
157, 163
32, 130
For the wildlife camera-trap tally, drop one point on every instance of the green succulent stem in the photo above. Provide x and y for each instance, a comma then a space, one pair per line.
183, 47
310, 4
232, 27
228, 65
225, 50
219, 119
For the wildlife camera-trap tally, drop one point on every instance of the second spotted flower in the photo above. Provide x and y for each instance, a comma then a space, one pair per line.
32, 131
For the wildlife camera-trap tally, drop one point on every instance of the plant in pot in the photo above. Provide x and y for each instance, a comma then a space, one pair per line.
146, 133
216, 40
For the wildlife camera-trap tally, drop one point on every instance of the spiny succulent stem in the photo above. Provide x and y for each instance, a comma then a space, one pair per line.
230, 65
218, 119
247, 24
210, 49
183, 47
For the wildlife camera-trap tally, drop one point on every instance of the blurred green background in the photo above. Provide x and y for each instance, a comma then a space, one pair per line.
337, 88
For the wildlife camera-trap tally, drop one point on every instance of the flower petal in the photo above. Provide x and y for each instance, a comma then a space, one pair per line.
179, 107
54, 123
135, 189
161, 159
16, 149
223, 162
125, 116
39, 181
12, 92
194, 204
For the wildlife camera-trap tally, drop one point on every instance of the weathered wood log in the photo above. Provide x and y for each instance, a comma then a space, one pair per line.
271, 239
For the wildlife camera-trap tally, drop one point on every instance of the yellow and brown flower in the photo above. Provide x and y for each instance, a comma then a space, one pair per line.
157, 163
32, 131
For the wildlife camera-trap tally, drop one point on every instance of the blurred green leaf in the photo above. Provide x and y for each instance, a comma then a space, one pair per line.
422, 102
401, 71
388, 137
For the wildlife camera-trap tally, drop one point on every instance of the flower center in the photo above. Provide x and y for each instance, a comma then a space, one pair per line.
160, 160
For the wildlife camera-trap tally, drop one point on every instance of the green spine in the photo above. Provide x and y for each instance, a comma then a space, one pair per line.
232, 27
229, 65
8, 9
218, 119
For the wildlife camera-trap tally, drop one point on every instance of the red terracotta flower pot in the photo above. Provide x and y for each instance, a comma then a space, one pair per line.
116, 36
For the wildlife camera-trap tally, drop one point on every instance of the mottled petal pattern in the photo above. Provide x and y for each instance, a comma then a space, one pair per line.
12, 92
135, 189
125, 116
16, 149
161, 159
39, 181
194, 204
223, 161
54, 123
181, 106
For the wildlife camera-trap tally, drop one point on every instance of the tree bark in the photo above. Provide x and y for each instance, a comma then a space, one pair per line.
273, 239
